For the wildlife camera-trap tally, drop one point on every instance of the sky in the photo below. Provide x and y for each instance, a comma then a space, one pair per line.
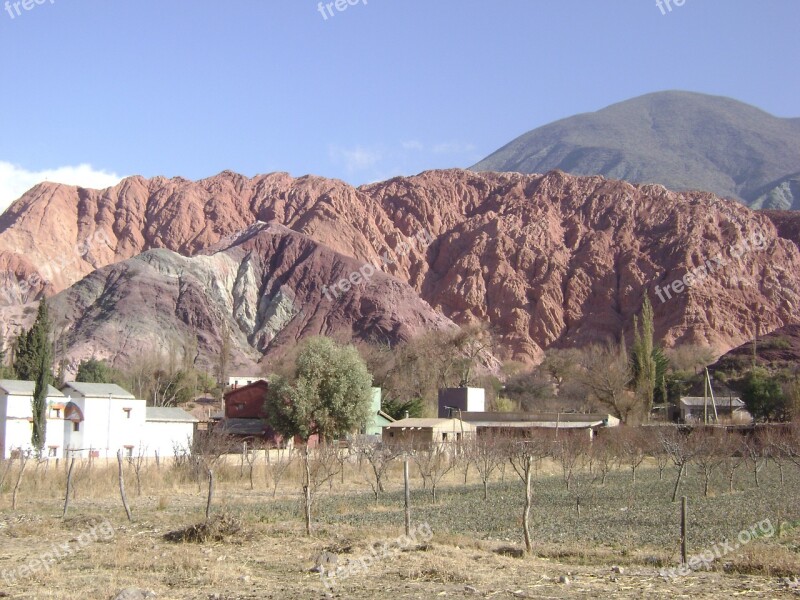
94, 90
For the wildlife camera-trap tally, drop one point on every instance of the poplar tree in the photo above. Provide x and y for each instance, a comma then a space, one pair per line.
643, 358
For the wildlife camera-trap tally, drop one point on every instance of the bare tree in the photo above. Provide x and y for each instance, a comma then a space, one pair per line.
523, 454
732, 457
485, 452
136, 463
632, 443
603, 454
433, 464
680, 453
322, 468
707, 449
279, 467
380, 457
570, 449
778, 448
251, 451
606, 374
755, 456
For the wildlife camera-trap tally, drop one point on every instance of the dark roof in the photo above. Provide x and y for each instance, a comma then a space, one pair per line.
255, 427
699, 401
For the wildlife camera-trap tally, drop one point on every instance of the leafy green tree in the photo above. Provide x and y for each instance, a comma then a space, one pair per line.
397, 408
328, 395
643, 363
764, 397
97, 371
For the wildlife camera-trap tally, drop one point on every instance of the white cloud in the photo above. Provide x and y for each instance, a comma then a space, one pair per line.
413, 145
15, 180
355, 159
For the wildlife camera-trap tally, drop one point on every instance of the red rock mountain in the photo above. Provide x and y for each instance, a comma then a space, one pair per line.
547, 259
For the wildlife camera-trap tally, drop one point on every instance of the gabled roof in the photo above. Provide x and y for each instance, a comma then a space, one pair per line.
169, 415
26, 388
98, 390
696, 401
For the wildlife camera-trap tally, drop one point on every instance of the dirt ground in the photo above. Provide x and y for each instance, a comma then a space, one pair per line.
275, 561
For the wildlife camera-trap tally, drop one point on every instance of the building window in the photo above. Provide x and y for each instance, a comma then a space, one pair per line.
52, 451
127, 412
76, 426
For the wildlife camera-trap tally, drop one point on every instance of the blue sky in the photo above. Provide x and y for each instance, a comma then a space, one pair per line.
382, 88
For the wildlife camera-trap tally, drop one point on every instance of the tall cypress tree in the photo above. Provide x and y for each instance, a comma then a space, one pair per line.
40, 358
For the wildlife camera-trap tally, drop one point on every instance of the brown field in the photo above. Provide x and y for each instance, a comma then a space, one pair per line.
475, 550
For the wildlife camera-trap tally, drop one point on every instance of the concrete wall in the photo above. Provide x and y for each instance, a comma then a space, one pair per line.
163, 436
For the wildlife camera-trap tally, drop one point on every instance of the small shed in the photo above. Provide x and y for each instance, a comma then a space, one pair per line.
424, 432
730, 409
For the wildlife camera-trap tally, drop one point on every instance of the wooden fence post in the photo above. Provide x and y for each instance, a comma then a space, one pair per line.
684, 531
69, 488
122, 487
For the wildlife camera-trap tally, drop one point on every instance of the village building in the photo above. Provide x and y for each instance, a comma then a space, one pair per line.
237, 381
16, 419
422, 433
377, 418
91, 420
729, 410
522, 423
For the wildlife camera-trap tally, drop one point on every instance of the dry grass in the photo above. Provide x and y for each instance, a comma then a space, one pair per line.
254, 546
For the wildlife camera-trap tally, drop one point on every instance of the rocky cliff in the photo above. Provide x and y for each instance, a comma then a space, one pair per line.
546, 259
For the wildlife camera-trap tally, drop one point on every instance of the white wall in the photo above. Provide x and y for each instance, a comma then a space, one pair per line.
106, 427
162, 436
476, 399
16, 426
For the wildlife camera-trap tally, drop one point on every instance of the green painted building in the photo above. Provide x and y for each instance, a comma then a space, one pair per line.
378, 418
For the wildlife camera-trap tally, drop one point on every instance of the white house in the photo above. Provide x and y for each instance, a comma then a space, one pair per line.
91, 420
237, 381
102, 418
167, 430
16, 419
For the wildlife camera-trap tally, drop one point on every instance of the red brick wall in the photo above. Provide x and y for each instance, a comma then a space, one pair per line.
246, 402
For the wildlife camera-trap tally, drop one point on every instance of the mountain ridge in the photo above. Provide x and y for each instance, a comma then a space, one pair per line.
682, 140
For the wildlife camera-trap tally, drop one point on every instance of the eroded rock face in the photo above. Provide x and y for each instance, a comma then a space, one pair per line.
264, 288
546, 259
